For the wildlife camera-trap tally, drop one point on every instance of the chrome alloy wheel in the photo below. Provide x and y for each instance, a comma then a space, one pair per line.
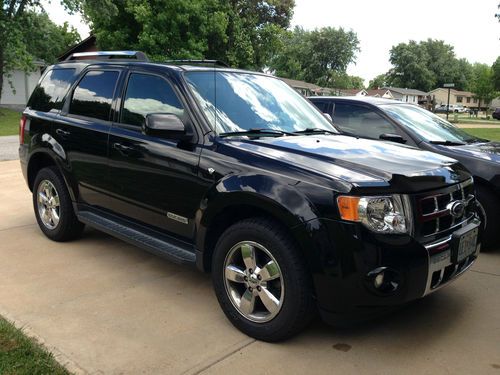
48, 204
253, 281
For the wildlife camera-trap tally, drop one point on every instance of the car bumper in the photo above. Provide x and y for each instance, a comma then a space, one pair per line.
347, 258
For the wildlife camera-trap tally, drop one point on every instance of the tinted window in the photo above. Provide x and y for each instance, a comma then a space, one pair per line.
50, 92
148, 94
322, 106
93, 95
361, 121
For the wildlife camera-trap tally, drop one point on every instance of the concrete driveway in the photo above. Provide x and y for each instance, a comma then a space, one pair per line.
9, 146
105, 307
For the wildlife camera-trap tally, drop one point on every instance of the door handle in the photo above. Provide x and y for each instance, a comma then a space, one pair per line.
62, 132
122, 148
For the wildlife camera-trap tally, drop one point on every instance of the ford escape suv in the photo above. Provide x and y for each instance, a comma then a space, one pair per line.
237, 174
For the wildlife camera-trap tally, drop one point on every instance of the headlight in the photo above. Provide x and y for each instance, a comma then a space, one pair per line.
387, 214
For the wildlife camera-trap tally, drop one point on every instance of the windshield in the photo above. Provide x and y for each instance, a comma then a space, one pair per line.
430, 127
236, 102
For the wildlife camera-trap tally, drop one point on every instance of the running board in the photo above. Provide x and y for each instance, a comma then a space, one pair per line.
170, 249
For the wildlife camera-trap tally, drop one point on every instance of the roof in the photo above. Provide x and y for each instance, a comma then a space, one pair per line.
351, 91
365, 99
300, 84
454, 92
375, 92
85, 45
402, 91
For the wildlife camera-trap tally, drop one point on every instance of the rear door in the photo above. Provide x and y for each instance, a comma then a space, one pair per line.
154, 180
83, 129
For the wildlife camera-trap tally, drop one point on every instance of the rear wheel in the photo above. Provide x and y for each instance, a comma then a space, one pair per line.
491, 210
261, 281
53, 207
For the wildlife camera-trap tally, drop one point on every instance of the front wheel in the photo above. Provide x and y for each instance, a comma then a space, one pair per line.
261, 280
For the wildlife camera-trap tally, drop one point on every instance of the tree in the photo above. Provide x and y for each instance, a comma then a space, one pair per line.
243, 33
378, 82
496, 74
314, 55
26, 34
482, 86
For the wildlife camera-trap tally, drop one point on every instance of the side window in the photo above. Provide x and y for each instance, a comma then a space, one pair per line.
148, 94
50, 92
322, 106
94, 94
361, 121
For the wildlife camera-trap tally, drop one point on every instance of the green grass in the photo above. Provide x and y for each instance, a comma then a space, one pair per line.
21, 355
491, 134
9, 122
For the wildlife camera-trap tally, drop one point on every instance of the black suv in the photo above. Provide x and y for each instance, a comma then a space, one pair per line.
236, 173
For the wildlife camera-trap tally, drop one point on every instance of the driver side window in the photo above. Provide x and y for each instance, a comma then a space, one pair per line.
362, 121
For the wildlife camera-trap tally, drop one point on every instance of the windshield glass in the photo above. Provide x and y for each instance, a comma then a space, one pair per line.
430, 127
235, 102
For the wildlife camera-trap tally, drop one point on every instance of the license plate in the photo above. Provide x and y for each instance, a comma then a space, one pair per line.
466, 245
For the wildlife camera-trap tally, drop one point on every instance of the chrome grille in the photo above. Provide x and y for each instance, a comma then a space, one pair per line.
437, 211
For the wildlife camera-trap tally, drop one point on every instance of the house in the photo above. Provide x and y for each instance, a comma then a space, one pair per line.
306, 88
87, 45
439, 96
407, 95
352, 92
380, 93
18, 85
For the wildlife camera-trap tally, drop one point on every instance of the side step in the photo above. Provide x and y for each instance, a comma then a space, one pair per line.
164, 247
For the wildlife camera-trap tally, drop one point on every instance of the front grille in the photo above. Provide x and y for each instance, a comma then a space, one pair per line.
445, 209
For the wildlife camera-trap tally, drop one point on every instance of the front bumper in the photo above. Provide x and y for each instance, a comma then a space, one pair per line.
344, 257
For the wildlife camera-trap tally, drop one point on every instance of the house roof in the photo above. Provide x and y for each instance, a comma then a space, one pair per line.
352, 91
377, 92
300, 84
402, 91
454, 92
85, 45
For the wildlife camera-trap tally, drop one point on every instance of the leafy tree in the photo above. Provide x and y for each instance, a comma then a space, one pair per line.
244, 33
314, 56
378, 82
496, 73
341, 80
483, 87
26, 34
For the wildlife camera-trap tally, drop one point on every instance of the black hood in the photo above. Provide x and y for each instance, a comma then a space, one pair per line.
360, 162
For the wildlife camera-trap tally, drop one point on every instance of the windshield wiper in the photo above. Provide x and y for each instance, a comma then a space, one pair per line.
257, 132
315, 131
447, 143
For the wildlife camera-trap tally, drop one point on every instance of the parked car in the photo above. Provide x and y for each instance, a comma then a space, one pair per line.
236, 173
454, 108
406, 123
496, 113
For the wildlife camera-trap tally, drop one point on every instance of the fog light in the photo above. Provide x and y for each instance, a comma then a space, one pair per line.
379, 280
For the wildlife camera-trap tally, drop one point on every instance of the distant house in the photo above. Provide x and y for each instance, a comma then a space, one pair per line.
352, 92
407, 95
17, 95
380, 93
86, 45
306, 88
440, 96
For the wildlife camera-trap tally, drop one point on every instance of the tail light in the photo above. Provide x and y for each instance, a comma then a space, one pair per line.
22, 125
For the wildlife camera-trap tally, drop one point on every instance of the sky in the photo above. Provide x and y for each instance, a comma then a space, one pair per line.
468, 25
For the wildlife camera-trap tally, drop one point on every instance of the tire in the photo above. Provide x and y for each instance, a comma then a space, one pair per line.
56, 220
491, 208
292, 289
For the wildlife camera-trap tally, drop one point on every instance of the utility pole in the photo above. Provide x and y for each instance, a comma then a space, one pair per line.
448, 86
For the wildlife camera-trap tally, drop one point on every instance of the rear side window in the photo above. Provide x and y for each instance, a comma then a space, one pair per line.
148, 94
50, 92
322, 106
94, 94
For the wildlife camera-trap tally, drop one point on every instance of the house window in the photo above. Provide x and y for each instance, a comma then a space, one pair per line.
468, 100
475, 100
459, 99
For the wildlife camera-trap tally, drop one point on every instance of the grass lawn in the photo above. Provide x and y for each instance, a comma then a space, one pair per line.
491, 134
20, 355
9, 122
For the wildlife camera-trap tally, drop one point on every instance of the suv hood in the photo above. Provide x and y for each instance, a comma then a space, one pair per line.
488, 151
358, 161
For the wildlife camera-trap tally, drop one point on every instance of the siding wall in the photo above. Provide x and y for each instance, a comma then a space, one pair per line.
23, 83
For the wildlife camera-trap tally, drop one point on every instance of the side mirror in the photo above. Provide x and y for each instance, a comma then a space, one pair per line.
393, 138
166, 125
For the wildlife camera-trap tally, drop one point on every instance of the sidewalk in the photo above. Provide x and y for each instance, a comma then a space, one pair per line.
8, 147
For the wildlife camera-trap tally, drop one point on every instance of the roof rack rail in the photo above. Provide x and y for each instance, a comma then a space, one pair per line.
109, 55
188, 61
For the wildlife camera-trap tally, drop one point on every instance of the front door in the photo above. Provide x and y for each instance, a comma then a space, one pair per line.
154, 180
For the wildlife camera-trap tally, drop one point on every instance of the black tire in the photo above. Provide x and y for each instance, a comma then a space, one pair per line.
68, 227
298, 306
491, 207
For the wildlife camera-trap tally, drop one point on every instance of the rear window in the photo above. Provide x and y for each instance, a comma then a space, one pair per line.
94, 94
50, 92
